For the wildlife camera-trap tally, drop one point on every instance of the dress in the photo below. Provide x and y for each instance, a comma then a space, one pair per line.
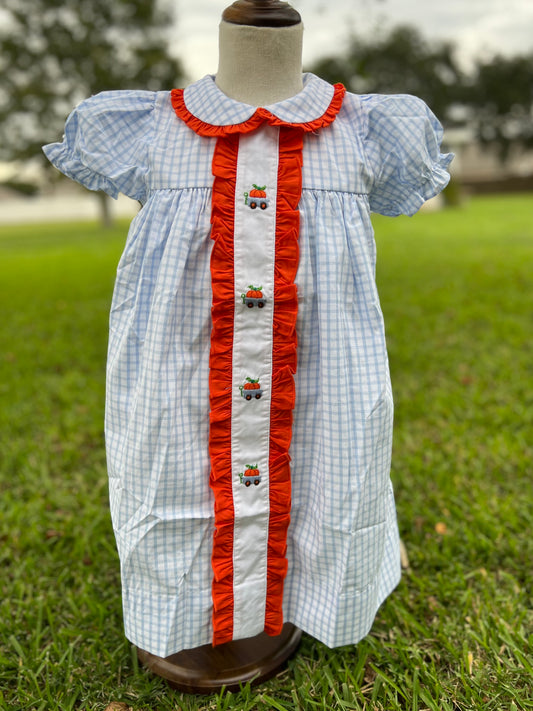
248, 407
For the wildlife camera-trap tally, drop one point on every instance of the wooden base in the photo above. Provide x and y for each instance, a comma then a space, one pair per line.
206, 669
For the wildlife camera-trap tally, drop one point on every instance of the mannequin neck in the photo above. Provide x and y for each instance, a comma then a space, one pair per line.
260, 65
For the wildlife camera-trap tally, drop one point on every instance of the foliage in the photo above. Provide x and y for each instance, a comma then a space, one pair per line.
455, 636
400, 62
20, 187
495, 98
501, 96
53, 53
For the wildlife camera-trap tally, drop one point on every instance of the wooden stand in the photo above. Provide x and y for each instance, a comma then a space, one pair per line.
261, 13
206, 669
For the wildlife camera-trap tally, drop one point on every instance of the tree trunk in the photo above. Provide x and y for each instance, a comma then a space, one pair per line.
106, 219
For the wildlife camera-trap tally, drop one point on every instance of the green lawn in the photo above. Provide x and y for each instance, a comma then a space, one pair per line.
456, 290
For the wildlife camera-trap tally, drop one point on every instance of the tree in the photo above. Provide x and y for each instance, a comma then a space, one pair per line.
500, 98
400, 62
495, 100
53, 53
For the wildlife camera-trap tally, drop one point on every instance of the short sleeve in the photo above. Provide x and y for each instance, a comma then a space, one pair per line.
105, 145
402, 147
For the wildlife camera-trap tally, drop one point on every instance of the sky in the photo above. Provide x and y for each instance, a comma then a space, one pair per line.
479, 28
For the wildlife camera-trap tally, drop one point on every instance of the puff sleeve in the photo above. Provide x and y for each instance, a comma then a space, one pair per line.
402, 146
106, 142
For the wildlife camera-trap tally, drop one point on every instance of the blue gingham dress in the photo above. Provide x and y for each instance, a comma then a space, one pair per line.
381, 154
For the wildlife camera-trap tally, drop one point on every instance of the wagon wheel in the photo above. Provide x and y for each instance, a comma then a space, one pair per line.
253, 205
263, 206
256, 481
248, 397
260, 304
250, 304
258, 396
247, 483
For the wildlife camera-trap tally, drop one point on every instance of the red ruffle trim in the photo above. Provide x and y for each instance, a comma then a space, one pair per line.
260, 116
284, 360
220, 383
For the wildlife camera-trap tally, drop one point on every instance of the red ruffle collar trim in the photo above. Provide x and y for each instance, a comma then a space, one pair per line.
260, 116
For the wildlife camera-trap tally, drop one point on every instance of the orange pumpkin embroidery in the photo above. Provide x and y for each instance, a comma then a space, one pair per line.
257, 197
253, 297
250, 476
251, 389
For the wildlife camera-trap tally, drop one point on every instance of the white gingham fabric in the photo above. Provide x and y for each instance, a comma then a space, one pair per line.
382, 154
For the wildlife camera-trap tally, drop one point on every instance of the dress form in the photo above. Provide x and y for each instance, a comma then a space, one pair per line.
260, 63
180, 419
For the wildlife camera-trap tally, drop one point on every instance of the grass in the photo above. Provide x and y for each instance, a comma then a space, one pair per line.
456, 635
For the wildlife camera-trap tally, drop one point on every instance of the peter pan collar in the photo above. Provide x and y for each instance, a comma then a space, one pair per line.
208, 111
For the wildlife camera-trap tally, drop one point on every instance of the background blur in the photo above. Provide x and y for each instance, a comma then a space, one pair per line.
455, 289
472, 62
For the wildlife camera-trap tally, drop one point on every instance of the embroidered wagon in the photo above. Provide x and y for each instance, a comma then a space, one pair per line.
251, 389
257, 198
250, 476
254, 297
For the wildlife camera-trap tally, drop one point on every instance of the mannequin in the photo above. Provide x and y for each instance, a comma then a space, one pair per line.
249, 409
275, 53
266, 35
226, 524
260, 52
